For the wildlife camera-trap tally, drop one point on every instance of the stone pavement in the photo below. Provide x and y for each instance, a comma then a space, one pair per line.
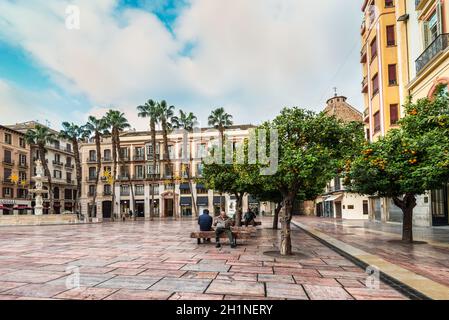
158, 260
429, 260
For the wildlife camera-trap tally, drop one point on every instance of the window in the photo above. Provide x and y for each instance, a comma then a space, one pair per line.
394, 114
373, 48
350, 207
22, 160
22, 193
69, 161
124, 190
201, 150
140, 190
92, 155
199, 169
150, 169
69, 177
22, 143
22, 176
68, 147
124, 171
337, 184
92, 173
389, 3
391, 36
139, 172
124, 153
7, 157
432, 27
8, 138
91, 190
375, 82
107, 190
57, 145
392, 77
57, 174
7, 192
68, 194
107, 155
57, 158
376, 122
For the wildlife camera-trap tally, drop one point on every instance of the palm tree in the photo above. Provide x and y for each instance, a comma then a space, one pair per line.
220, 120
96, 128
187, 121
40, 136
165, 113
150, 110
117, 122
74, 134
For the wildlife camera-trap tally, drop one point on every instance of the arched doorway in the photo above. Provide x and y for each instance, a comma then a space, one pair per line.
169, 203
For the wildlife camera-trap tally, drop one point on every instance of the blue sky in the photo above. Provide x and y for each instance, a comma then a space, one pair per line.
251, 57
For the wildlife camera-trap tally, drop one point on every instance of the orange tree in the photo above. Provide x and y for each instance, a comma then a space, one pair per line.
408, 161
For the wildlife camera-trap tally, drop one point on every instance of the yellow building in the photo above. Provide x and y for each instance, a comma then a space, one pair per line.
405, 53
379, 58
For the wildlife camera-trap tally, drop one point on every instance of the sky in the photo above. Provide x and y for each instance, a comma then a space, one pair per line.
252, 57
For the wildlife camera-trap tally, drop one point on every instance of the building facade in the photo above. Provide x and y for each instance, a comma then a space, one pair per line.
61, 164
336, 202
171, 189
405, 53
14, 173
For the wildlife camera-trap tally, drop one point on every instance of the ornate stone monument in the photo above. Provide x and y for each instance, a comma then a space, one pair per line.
39, 190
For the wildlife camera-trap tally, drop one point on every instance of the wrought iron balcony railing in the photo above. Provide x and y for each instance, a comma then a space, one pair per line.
438, 46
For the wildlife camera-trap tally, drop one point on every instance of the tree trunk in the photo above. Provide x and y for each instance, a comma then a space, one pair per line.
78, 175
153, 143
276, 216
114, 175
407, 205
286, 217
238, 215
48, 174
166, 157
97, 178
122, 163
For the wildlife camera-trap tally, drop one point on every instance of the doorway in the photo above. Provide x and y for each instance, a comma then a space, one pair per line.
107, 208
139, 208
440, 207
168, 208
338, 211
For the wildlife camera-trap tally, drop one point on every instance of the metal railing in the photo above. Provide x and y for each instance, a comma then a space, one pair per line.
440, 44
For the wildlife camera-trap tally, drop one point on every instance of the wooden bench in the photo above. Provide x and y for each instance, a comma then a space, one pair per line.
237, 234
256, 223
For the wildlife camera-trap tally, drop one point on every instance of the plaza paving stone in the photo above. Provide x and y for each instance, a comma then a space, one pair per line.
158, 260
429, 260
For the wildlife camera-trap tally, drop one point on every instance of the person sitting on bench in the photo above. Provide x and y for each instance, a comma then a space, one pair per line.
205, 221
223, 224
249, 218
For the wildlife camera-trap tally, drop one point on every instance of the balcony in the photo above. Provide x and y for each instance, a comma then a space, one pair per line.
23, 165
139, 177
91, 160
139, 158
107, 193
436, 48
91, 179
124, 158
69, 181
8, 162
57, 163
365, 85
363, 28
363, 55
69, 166
123, 178
150, 176
106, 159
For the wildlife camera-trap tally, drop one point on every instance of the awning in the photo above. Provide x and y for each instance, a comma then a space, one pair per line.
184, 186
186, 202
334, 198
200, 186
217, 200
202, 201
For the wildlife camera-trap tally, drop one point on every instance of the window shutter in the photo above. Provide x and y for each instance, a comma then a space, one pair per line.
426, 34
439, 17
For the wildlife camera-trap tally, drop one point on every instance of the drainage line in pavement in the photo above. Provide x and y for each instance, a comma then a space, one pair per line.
397, 285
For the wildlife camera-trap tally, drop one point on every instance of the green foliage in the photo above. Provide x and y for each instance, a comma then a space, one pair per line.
409, 160
312, 148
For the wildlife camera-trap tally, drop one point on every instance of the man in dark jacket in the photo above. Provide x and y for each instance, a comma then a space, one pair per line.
205, 221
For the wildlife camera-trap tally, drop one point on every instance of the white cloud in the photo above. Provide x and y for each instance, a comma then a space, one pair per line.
252, 57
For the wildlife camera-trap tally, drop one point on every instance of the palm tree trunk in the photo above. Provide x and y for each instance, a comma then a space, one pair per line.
153, 178
114, 174
97, 178
48, 174
122, 163
167, 159
78, 175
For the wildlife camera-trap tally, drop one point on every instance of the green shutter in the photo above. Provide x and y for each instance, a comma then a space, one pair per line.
426, 34
440, 18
